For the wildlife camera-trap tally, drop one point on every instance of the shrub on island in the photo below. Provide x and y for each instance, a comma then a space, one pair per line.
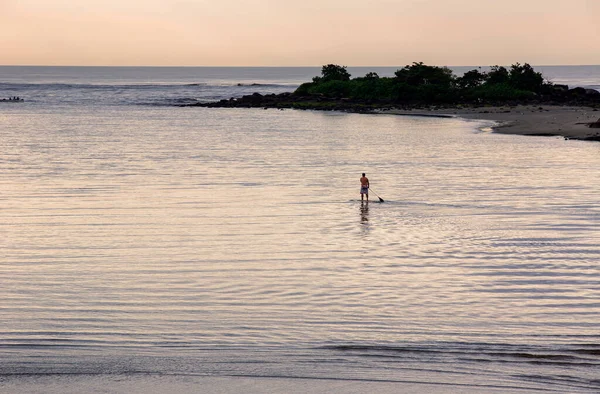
420, 83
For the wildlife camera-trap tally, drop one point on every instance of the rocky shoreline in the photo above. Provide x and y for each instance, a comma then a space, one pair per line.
294, 101
571, 113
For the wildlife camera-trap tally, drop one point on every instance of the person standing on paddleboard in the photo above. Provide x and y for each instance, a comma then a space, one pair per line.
364, 187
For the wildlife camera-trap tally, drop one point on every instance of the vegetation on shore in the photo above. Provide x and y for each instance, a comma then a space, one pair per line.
420, 85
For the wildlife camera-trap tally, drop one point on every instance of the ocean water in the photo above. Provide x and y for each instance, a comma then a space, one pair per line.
139, 238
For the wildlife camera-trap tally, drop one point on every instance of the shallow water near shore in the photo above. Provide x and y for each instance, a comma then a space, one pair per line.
188, 242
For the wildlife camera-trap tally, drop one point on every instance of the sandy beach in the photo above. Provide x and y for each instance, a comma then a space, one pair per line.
539, 120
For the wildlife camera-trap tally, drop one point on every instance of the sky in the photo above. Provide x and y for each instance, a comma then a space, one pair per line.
299, 32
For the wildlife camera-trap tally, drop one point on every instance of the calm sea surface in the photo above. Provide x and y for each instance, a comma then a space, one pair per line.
138, 237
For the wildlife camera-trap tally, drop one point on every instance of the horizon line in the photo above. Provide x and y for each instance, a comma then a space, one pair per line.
296, 66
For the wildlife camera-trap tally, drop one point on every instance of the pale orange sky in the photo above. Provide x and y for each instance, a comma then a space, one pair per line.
298, 33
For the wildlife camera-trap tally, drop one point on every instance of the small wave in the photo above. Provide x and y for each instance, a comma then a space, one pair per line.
169, 102
265, 85
564, 354
104, 86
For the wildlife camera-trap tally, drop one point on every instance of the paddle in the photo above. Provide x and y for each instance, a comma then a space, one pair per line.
380, 199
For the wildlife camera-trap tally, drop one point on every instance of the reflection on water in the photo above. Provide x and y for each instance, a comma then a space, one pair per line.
364, 217
196, 240
364, 212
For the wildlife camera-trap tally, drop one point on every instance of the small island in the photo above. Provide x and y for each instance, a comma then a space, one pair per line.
519, 98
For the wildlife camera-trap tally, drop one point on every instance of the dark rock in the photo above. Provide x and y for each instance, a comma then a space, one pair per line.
592, 138
577, 92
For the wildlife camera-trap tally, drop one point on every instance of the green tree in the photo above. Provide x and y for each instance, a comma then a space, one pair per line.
471, 79
524, 77
419, 74
497, 74
333, 72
